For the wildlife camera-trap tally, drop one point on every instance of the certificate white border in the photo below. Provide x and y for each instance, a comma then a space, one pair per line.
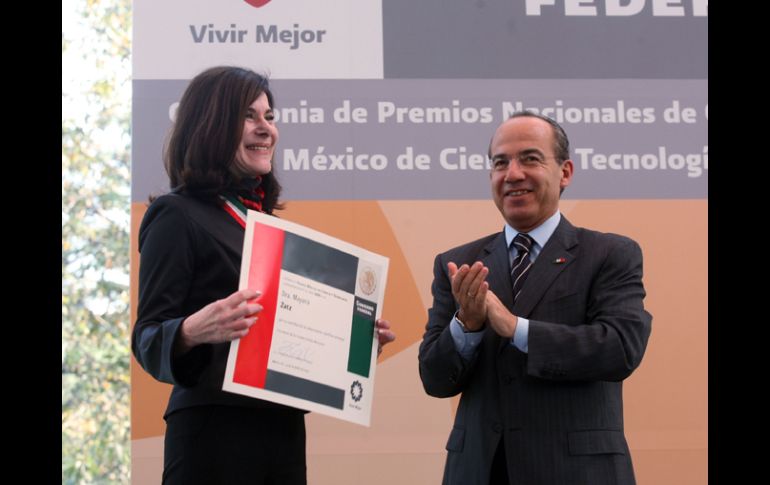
358, 412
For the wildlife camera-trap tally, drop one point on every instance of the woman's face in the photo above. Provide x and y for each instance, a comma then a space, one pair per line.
260, 135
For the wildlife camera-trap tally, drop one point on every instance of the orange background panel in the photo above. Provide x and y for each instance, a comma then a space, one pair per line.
665, 399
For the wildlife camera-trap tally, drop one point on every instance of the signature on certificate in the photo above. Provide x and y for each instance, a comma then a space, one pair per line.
296, 350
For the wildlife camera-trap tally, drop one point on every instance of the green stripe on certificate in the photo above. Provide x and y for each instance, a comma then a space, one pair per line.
361, 337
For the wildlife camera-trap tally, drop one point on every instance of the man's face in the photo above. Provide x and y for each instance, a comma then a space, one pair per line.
526, 178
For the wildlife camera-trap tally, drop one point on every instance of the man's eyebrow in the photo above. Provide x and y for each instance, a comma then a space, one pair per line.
526, 151
529, 151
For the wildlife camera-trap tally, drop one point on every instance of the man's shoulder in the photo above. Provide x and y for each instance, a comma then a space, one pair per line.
586, 235
606, 242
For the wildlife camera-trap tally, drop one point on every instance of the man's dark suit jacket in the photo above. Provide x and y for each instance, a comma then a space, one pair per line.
558, 407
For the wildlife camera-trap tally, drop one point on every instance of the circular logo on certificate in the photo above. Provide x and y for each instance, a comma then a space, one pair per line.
367, 281
356, 391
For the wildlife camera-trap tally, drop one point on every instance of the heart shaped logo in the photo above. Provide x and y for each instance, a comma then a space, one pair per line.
257, 3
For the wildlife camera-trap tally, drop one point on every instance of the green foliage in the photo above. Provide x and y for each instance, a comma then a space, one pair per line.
95, 246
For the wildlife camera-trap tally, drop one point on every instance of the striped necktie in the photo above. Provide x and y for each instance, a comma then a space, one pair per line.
522, 263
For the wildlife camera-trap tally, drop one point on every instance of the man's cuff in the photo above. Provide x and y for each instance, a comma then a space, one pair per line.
520, 338
465, 343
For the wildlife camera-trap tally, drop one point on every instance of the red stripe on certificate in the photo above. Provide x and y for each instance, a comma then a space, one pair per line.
264, 275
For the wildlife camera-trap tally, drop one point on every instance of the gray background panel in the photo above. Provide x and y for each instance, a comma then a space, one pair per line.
388, 138
496, 39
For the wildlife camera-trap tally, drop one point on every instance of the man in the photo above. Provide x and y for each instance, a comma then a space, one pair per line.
537, 332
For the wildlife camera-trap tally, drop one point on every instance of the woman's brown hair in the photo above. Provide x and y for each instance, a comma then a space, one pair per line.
208, 128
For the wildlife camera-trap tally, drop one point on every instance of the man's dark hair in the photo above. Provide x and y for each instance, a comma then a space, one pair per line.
561, 142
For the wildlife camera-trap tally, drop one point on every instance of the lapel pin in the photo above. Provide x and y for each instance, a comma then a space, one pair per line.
560, 260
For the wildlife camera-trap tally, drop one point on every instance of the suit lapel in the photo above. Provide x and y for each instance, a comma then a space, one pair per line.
220, 225
499, 278
559, 252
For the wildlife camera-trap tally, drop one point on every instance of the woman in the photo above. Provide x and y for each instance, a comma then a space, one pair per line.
220, 149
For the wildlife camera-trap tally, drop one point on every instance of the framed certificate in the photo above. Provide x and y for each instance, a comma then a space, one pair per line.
313, 346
